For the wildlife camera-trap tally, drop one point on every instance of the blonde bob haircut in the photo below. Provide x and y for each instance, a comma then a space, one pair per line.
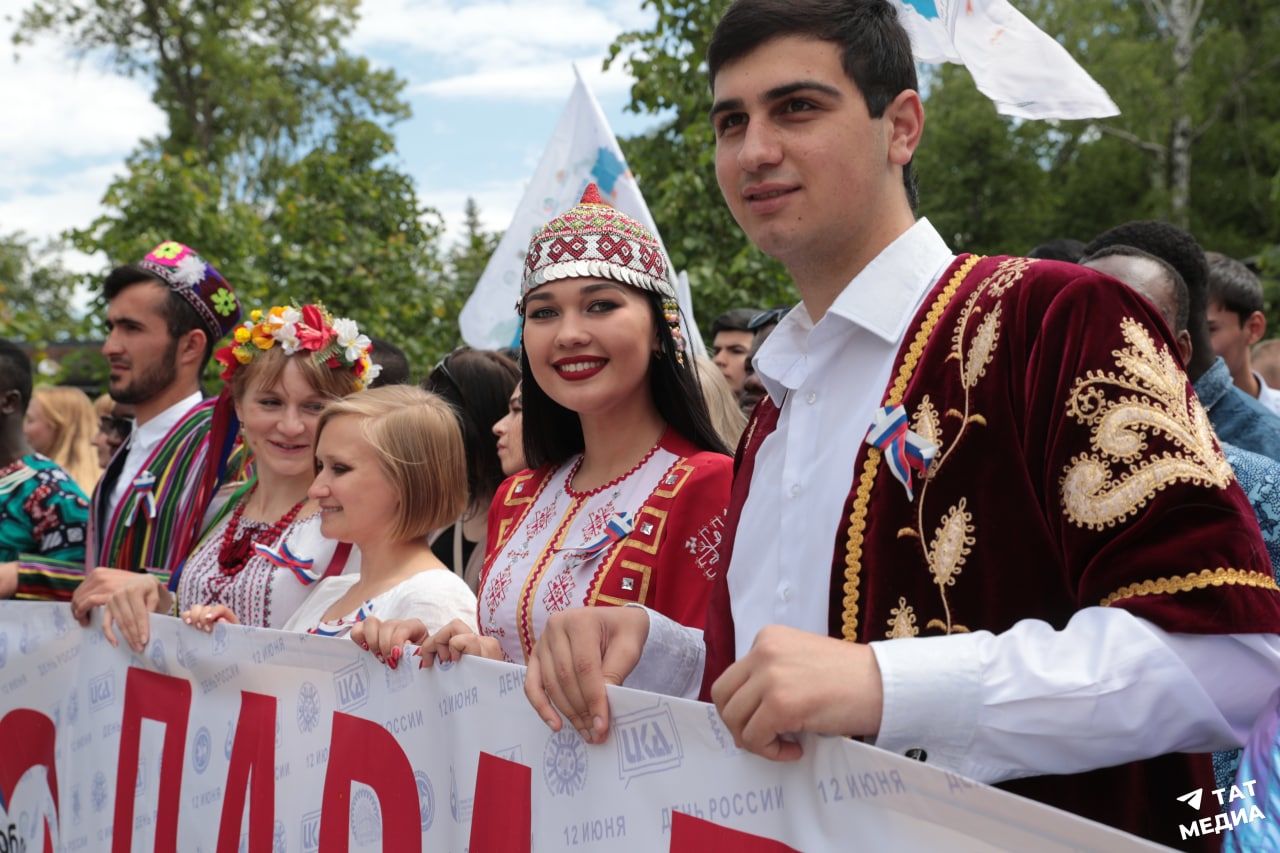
419, 445
267, 368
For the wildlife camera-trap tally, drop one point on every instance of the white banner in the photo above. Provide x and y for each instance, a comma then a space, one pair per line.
1013, 62
285, 743
582, 150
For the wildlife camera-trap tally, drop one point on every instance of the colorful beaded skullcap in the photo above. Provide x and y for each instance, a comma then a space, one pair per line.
197, 281
595, 240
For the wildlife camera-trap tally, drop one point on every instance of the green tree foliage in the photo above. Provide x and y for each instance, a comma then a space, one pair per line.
278, 164
36, 294
1196, 142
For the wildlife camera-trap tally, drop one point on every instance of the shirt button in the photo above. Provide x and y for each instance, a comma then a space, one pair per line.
795, 489
786, 592
811, 397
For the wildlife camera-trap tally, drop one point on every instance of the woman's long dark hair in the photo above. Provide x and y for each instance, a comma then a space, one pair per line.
553, 433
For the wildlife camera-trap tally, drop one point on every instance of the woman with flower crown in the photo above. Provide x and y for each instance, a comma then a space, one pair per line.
629, 480
262, 547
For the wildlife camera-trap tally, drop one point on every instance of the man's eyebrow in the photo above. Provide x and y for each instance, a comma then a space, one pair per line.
777, 93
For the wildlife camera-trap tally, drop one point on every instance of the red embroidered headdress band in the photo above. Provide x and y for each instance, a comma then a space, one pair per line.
595, 240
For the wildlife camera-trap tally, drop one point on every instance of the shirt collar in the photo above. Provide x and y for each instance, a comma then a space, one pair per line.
1213, 384
881, 299
146, 435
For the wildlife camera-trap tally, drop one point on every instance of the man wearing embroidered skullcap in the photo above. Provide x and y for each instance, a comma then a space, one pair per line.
164, 315
980, 520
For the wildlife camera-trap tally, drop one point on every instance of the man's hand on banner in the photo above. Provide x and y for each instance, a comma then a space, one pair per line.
130, 607
97, 586
205, 616
385, 639
793, 681
456, 639
579, 652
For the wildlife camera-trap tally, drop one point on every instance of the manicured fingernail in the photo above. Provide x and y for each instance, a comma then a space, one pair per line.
364, 646
597, 723
395, 653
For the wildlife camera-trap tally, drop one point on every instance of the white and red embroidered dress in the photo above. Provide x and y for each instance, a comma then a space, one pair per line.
651, 537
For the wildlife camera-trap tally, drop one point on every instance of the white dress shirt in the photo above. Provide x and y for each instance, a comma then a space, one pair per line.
1106, 689
146, 437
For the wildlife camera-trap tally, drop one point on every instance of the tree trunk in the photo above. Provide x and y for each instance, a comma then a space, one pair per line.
1183, 16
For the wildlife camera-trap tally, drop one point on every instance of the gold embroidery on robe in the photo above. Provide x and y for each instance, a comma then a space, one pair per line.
926, 423
951, 545
902, 622
1097, 492
1186, 583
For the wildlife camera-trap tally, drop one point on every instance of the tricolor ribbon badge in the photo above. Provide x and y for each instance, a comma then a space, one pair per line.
286, 559
902, 448
617, 528
144, 495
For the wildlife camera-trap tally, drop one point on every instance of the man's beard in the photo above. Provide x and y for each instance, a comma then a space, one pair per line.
151, 382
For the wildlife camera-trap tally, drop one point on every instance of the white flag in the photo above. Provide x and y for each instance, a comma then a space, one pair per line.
1015, 64
582, 149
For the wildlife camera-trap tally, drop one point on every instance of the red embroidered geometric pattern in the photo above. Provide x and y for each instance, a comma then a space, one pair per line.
559, 594
573, 247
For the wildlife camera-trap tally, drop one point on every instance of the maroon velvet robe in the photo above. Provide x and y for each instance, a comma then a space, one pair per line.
1076, 469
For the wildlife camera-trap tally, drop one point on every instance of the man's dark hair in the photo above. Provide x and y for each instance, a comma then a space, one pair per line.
180, 316
553, 434
478, 384
1060, 249
15, 371
1181, 298
876, 50
392, 360
1181, 251
1233, 285
733, 320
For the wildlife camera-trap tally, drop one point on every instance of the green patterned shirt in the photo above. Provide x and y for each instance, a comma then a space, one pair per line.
42, 511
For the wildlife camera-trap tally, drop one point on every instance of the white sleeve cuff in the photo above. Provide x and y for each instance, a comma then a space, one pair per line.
932, 697
672, 659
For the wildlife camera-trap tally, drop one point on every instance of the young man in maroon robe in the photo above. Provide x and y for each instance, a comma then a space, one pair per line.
1042, 570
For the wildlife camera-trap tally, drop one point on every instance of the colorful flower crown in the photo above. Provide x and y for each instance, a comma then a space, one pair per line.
335, 343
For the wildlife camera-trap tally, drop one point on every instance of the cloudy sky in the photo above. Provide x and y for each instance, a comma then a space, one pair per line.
487, 81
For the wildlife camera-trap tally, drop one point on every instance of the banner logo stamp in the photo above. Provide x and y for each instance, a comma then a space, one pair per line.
564, 763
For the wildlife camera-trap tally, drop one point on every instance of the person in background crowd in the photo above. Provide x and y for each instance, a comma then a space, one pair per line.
1237, 322
478, 384
262, 549
1059, 249
42, 510
753, 390
393, 364
1021, 601
164, 315
730, 341
629, 481
61, 425
391, 467
1259, 778
1265, 359
722, 404
115, 424
509, 431
1237, 418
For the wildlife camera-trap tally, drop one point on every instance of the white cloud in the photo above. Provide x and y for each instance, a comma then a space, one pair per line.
501, 48
550, 80
68, 125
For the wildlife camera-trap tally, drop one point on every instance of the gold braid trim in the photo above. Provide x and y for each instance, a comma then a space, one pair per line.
858, 518
1186, 583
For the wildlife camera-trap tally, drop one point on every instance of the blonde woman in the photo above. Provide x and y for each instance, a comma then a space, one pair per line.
722, 405
390, 467
61, 424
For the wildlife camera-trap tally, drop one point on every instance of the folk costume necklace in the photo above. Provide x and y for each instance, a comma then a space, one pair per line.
234, 553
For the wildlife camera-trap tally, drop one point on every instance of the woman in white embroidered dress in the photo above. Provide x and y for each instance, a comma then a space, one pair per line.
390, 467
629, 480
262, 547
